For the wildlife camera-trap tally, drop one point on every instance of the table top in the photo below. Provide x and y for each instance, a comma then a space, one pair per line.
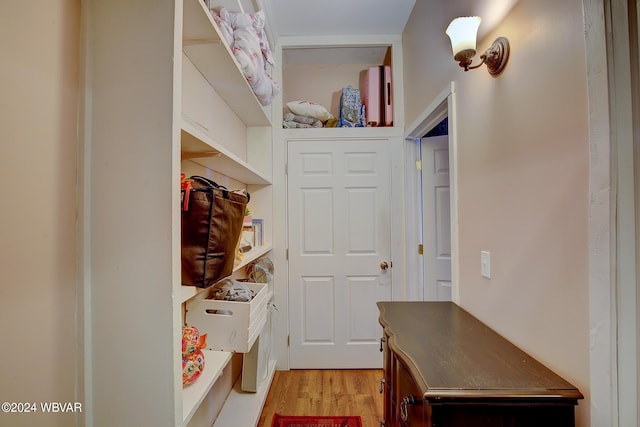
453, 355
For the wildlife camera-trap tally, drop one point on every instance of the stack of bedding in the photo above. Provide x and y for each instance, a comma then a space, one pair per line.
244, 33
307, 114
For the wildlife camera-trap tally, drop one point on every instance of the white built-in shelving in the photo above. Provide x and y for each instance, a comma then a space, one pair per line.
133, 132
242, 409
333, 62
203, 150
193, 394
204, 45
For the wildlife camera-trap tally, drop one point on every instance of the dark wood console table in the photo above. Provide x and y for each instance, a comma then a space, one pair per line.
445, 368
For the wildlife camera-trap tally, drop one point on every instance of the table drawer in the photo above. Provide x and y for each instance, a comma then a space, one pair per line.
409, 403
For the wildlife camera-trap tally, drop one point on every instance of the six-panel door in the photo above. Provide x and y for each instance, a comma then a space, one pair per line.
339, 224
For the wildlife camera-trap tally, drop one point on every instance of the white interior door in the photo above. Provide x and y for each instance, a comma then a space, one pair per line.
339, 242
436, 219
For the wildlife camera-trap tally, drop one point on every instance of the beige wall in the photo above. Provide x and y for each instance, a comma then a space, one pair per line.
38, 118
523, 159
321, 84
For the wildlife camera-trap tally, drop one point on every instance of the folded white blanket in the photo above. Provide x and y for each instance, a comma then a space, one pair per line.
291, 120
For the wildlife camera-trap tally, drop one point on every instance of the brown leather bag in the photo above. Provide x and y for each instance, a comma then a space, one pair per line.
211, 226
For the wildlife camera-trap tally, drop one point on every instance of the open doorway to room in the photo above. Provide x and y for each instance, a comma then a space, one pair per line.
431, 144
435, 213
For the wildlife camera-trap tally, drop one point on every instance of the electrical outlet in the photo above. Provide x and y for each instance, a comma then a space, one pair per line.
485, 264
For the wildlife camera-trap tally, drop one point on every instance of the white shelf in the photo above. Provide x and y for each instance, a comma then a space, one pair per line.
206, 48
216, 157
244, 409
252, 255
192, 395
342, 133
188, 292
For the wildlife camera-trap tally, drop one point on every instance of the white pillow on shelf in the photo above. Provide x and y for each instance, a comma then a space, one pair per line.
309, 109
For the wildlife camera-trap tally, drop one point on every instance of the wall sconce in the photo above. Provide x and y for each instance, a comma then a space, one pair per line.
463, 32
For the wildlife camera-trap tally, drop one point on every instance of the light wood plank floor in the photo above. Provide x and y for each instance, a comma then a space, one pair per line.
325, 392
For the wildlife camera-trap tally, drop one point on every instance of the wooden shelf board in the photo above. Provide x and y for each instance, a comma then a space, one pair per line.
193, 140
244, 409
342, 133
252, 255
192, 395
209, 52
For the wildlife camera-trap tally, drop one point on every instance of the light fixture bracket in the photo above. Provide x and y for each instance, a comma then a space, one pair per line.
495, 58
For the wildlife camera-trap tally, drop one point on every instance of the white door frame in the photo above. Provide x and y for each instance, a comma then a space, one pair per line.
623, 61
613, 252
442, 106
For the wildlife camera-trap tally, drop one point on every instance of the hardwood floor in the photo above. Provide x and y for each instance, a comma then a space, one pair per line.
325, 392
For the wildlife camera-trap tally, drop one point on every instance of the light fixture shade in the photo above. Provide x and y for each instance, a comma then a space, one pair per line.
463, 32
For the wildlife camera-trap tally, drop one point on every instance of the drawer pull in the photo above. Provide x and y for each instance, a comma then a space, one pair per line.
404, 406
382, 382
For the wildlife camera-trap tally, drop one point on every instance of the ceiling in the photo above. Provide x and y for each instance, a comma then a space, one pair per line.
343, 17
356, 17
361, 17
326, 17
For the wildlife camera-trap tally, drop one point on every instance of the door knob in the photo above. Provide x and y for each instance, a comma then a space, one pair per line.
384, 265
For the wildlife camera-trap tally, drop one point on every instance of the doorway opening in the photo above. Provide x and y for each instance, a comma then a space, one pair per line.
434, 246
435, 213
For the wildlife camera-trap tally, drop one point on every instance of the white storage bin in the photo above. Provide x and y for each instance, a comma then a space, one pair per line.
230, 325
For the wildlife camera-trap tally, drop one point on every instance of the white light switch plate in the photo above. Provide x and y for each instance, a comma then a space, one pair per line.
485, 264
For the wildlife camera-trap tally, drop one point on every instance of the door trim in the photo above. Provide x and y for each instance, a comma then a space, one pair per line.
623, 62
442, 106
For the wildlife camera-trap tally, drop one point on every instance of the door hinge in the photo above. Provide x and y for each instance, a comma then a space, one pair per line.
419, 165
286, 168
288, 340
420, 248
286, 254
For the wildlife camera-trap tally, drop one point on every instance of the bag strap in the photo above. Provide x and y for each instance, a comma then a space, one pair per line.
209, 184
206, 182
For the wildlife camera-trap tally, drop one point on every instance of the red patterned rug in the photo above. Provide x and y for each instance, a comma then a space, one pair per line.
301, 421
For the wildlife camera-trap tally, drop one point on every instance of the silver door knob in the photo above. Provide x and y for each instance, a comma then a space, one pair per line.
384, 265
